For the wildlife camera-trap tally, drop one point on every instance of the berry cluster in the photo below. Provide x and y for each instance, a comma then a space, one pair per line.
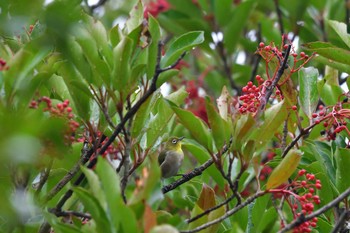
273, 56
61, 110
334, 118
250, 98
301, 198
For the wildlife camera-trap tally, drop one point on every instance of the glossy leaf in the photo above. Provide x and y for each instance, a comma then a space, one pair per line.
284, 170
273, 120
219, 127
121, 71
92, 205
237, 24
153, 47
162, 114
181, 44
195, 125
341, 29
111, 186
330, 93
202, 155
136, 17
329, 51
342, 172
308, 93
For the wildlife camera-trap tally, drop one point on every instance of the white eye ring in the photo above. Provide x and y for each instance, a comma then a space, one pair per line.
174, 141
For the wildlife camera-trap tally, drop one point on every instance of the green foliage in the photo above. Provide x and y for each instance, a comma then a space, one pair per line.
92, 93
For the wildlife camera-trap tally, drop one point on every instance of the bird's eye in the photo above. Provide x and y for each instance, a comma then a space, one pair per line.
174, 141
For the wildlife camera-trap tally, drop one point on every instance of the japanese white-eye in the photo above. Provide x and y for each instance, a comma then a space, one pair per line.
170, 159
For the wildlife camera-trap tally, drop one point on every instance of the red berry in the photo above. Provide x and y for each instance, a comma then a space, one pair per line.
69, 109
311, 190
302, 54
318, 185
314, 115
261, 44
301, 172
294, 108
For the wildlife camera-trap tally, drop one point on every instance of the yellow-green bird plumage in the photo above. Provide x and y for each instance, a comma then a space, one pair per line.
170, 159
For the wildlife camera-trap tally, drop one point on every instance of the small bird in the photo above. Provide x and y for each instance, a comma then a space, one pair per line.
170, 159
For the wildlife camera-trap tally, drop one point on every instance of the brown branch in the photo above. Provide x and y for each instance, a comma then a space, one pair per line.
318, 212
186, 177
228, 213
273, 85
44, 175
132, 111
85, 156
196, 172
341, 220
227, 68
235, 194
69, 214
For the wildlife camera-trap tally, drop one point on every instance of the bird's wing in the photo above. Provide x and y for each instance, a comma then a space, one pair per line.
161, 157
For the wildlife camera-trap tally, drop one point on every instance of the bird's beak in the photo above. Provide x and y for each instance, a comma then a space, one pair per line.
180, 138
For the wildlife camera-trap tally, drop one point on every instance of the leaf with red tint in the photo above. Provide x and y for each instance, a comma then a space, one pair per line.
150, 219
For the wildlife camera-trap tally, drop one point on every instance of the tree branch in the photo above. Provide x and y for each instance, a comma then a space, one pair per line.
318, 212
196, 172
228, 213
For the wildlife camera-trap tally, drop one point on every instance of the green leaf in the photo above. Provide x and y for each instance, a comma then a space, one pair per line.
330, 93
142, 115
329, 51
165, 76
341, 29
322, 153
95, 186
111, 187
308, 93
237, 24
202, 155
93, 206
219, 127
154, 30
343, 165
336, 65
195, 125
121, 71
274, 118
242, 128
114, 36
163, 114
222, 11
149, 191
284, 170
181, 44
136, 17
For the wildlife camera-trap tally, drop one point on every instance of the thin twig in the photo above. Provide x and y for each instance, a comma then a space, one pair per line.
132, 111
186, 177
280, 72
227, 68
44, 175
85, 156
69, 213
211, 209
228, 213
196, 172
279, 15
341, 220
318, 212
